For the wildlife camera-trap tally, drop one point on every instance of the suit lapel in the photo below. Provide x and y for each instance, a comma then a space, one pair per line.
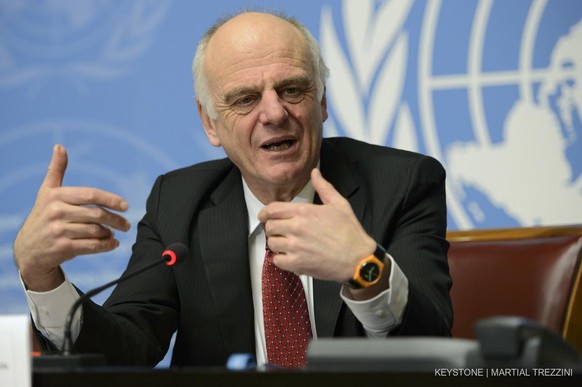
336, 169
223, 230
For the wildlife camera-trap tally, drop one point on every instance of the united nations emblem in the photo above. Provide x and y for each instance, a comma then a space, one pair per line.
76, 41
491, 89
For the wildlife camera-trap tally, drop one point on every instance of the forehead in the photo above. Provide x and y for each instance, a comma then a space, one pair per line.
258, 51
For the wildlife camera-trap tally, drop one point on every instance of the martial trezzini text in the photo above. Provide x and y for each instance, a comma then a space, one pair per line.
496, 372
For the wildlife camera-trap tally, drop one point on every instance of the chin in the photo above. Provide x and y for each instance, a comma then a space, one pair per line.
286, 176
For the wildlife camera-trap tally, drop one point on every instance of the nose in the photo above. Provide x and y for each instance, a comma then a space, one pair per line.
272, 110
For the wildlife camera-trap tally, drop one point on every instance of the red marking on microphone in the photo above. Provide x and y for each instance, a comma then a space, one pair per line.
169, 261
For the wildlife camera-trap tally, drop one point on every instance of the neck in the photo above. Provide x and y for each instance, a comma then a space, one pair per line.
278, 193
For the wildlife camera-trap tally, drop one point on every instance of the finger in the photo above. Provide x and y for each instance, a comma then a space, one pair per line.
83, 230
280, 210
282, 262
272, 228
92, 196
277, 244
57, 167
98, 215
92, 246
89, 214
326, 191
296, 227
268, 212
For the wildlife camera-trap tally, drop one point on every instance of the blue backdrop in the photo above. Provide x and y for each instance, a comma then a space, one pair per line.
491, 88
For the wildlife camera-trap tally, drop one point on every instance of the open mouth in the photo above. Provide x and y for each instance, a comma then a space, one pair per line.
277, 146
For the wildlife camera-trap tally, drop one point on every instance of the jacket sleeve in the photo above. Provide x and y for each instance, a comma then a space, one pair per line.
417, 241
135, 324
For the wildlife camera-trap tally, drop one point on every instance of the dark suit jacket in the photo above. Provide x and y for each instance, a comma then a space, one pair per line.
398, 196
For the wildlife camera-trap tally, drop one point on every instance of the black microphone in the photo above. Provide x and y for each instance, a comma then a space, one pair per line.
172, 254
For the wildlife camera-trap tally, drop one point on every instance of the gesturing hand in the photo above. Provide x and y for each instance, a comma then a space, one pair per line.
324, 241
65, 222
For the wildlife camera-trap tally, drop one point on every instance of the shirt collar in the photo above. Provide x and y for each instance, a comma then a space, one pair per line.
254, 205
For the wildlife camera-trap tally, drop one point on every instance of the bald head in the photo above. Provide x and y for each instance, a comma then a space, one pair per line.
254, 29
243, 37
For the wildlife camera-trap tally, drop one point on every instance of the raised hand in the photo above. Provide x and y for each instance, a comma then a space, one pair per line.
324, 241
65, 222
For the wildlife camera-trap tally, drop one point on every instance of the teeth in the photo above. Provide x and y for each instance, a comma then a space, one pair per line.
278, 147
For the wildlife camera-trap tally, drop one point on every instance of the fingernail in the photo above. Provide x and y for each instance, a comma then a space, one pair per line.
123, 205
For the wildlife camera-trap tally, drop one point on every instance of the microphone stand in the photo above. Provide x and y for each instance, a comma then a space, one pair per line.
68, 344
67, 358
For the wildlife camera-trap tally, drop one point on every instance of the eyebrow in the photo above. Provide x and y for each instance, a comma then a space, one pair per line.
234, 94
299, 80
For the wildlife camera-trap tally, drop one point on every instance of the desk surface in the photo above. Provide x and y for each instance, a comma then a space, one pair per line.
221, 377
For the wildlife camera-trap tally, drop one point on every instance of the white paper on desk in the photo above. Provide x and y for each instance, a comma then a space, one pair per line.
15, 351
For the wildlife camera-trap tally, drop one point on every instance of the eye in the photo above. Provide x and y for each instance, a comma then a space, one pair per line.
245, 101
292, 94
245, 104
291, 91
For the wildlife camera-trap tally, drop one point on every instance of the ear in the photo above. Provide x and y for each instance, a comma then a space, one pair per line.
209, 127
324, 105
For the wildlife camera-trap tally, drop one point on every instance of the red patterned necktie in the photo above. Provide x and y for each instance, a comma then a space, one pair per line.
285, 315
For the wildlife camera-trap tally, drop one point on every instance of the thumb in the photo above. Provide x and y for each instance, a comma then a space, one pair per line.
326, 191
56, 170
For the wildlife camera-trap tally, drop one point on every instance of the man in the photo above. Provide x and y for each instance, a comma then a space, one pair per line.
324, 207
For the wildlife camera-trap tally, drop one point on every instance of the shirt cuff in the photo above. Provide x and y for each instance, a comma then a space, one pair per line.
384, 312
49, 311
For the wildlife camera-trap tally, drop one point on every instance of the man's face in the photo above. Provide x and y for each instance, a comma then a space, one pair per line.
269, 120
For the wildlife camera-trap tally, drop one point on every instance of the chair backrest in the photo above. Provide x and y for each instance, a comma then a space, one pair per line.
532, 272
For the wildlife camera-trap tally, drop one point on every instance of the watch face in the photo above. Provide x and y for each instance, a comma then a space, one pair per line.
369, 271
